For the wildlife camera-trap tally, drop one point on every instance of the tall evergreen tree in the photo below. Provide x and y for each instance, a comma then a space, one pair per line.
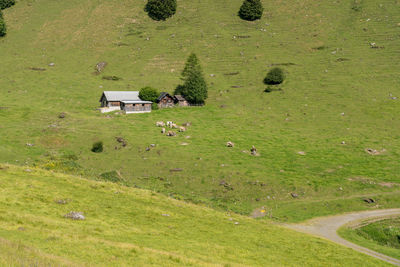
6, 3
194, 88
3, 28
251, 10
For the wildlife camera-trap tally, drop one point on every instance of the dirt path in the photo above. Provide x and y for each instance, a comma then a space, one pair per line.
327, 227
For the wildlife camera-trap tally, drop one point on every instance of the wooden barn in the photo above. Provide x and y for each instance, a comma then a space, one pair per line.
181, 101
127, 101
165, 100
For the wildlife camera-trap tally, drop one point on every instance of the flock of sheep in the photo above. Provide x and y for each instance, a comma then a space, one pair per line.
171, 125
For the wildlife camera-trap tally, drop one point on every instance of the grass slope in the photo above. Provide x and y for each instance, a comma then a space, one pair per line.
382, 236
323, 45
126, 226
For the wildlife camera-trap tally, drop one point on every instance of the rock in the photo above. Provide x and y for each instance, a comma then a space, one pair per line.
301, 153
52, 64
212, 75
294, 195
165, 215
184, 144
152, 145
187, 124
61, 201
29, 144
122, 141
73, 215
100, 66
182, 129
28, 170
374, 151
62, 115
230, 144
147, 148
369, 200
343, 142
236, 223
174, 126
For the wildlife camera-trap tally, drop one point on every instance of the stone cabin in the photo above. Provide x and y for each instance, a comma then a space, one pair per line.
165, 100
127, 101
181, 101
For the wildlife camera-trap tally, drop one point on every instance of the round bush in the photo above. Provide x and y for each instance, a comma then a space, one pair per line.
97, 147
274, 76
148, 94
160, 9
6, 3
251, 10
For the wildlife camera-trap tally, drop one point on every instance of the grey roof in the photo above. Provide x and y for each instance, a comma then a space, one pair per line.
162, 95
180, 98
121, 95
136, 102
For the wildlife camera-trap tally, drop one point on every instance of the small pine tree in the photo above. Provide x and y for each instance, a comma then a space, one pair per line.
3, 28
274, 76
160, 9
97, 147
251, 10
6, 3
148, 94
194, 88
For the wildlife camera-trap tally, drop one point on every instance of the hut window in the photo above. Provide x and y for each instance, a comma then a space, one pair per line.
142, 105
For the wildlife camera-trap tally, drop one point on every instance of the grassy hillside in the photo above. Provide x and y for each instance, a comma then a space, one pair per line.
382, 236
125, 225
338, 89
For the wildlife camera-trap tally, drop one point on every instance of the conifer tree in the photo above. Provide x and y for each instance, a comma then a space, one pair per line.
6, 3
251, 10
194, 88
3, 28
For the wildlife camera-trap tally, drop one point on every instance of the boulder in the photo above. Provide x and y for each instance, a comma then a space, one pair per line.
73, 215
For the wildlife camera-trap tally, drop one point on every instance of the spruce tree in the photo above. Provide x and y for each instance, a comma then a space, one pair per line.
251, 10
6, 3
160, 9
3, 28
194, 88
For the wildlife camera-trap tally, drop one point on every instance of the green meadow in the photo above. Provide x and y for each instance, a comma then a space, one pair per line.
125, 226
382, 236
341, 60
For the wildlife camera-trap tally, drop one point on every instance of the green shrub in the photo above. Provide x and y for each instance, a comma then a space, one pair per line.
160, 9
97, 147
148, 94
154, 106
6, 3
3, 28
274, 77
251, 10
112, 176
194, 88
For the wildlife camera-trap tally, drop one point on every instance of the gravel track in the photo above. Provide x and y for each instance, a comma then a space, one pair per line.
326, 227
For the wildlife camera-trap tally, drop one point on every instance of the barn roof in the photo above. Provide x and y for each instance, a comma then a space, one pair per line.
180, 98
162, 95
136, 102
121, 95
